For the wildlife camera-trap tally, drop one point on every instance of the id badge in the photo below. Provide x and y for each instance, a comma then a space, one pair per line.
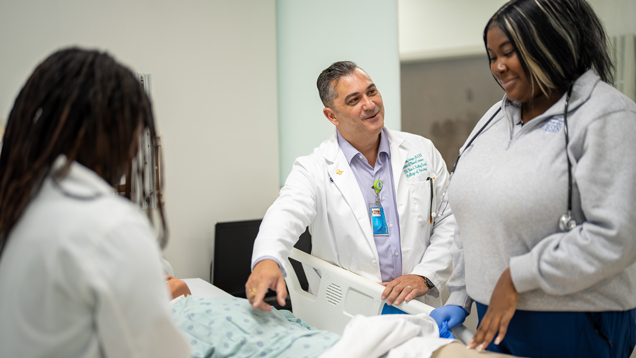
378, 220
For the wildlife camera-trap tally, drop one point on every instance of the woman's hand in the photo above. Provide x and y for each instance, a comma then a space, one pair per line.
503, 304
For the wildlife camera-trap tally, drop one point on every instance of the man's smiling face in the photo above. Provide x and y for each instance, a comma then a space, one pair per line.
358, 111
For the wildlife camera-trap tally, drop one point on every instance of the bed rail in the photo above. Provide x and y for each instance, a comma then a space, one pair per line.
342, 295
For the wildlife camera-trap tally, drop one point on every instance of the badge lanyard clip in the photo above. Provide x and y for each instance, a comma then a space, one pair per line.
378, 220
377, 186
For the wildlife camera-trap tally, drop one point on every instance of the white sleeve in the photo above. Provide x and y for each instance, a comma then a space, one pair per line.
166, 268
132, 313
436, 263
289, 215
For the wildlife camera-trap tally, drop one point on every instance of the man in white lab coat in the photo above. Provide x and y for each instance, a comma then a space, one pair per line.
370, 197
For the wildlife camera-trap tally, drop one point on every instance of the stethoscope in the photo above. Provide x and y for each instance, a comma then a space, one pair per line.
566, 222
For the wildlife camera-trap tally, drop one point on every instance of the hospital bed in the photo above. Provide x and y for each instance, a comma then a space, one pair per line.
341, 295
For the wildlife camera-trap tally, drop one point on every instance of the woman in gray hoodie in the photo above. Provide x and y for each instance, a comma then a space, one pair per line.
545, 193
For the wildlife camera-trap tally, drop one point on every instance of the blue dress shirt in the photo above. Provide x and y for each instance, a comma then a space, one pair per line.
389, 249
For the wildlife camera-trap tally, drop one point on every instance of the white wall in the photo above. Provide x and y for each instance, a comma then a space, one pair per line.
311, 36
213, 67
433, 29
617, 15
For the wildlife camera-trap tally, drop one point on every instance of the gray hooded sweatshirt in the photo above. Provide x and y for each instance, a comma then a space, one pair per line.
510, 188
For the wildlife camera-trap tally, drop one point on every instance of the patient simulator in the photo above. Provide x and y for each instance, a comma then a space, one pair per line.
230, 327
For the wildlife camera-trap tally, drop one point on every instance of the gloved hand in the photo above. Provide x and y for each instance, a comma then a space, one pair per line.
444, 332
447, 318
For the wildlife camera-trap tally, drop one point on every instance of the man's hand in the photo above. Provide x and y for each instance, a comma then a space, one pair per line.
266, 275
503, 304
177, 287
404, 288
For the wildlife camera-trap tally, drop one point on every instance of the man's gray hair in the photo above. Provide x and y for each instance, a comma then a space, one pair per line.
331, 73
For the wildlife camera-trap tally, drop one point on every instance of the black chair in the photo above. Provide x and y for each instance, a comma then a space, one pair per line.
233, 244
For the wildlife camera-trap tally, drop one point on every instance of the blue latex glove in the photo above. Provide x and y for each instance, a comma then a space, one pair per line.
447, 318
444, 332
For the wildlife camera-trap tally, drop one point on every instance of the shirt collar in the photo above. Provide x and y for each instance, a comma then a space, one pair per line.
350, 152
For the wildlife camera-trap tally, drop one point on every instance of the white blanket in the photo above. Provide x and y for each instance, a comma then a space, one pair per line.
401, 336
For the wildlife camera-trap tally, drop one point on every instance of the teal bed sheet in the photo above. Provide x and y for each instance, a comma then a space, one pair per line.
231, 327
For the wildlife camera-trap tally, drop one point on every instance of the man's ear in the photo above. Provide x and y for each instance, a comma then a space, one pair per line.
331, 116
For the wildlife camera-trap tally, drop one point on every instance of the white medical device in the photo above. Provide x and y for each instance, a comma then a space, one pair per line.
341, 295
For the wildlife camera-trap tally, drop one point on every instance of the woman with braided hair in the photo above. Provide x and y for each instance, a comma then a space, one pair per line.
79, 265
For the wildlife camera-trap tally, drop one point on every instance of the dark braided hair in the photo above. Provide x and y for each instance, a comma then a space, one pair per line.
86, 106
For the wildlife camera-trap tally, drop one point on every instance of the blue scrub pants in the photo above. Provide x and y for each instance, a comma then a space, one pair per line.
568, 334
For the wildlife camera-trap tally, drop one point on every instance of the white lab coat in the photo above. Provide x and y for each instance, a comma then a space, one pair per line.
338, 218
82, 278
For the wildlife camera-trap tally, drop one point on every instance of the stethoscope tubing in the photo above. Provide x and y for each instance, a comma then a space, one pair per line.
570, 223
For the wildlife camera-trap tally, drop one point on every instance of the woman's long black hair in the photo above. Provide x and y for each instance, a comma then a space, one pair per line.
556, 40
86, 106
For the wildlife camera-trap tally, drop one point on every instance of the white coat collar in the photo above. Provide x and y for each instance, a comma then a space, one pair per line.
399, 153
338, 165
330, 148
341, 175
80, 182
